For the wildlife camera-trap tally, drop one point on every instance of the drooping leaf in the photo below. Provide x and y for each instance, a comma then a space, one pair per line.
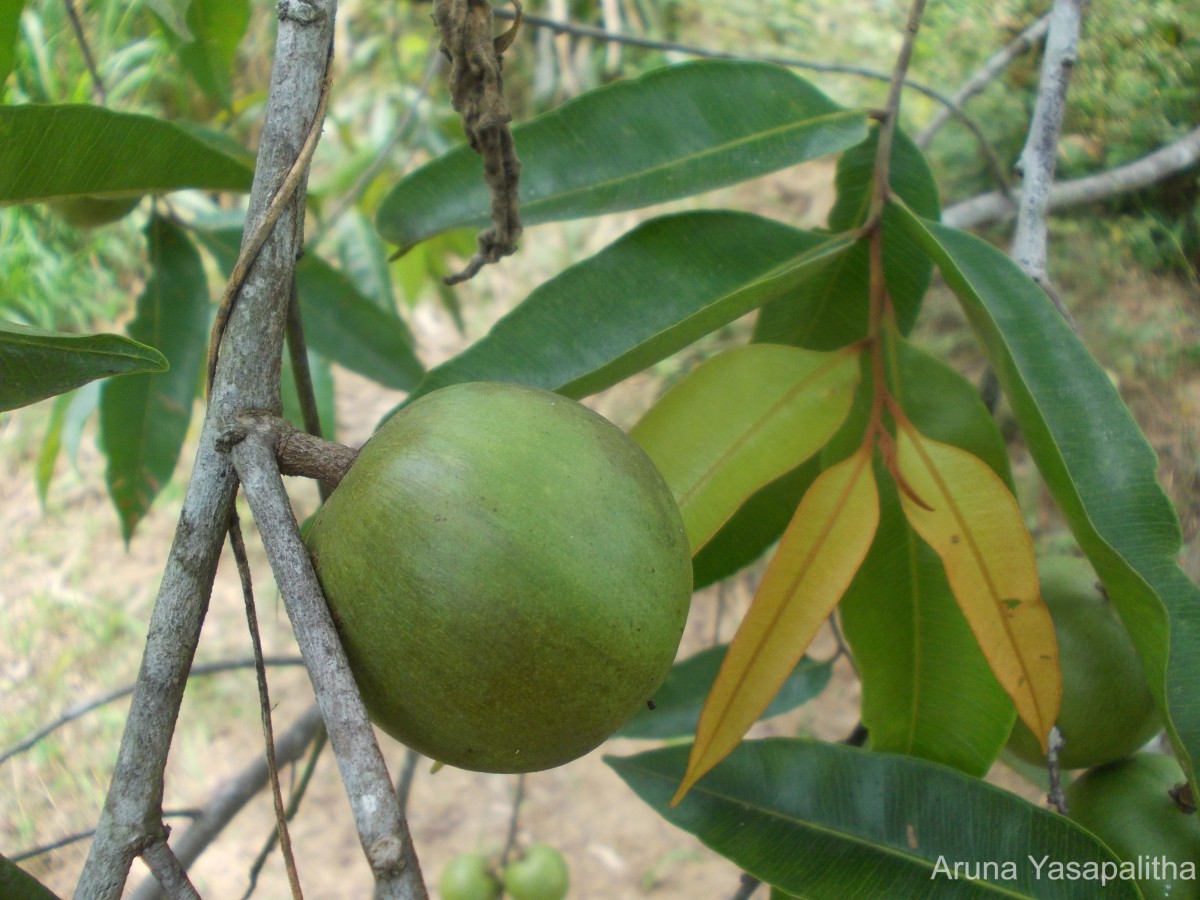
1096, 463
656, 290
173, 15
673, 132
144, 418
678, 702
10, 18
56, 152
754, 527
339, 322
43, 471
322, 379
966, 513
216, 27
36, 364
818, 556
827, 822
739, 421
17, 884
927, 689
832, 311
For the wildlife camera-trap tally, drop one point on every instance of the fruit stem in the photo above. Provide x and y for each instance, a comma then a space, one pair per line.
300, 453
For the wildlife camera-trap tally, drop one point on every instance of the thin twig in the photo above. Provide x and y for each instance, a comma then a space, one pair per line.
78, 712
1040, 155
514, 821
228, 800
319, 743
995, 166
996, 63
168, 871
887, 129
408, 771
85, 47
302, 376
747, 885
238, 543
262, 230
382, 829
992, 208
78, 836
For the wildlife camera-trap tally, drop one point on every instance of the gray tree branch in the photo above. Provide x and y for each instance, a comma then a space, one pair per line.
992, 208
247, 377
380, 821
996, 63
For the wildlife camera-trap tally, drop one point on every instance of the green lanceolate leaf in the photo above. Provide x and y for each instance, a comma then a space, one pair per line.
678, 702
741, 420
753, 528
59, 152
829, 821
339, 322
10, 18
217, 27
1095, 461
322, 380
674, 132
927, 689
144, 419
654, 291
832, 311
36, 364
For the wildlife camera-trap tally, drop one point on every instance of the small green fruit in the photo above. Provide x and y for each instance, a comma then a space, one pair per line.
541, 874
91, 212
1126, 805
509, 574
1107, 710
466, 877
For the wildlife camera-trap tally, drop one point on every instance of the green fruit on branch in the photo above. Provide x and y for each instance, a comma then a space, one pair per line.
91, 212
541, 874
509, 574
1107, 712
467, 877
1127, 805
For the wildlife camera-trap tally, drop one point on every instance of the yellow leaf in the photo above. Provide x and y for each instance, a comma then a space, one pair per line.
970, 518
821, 550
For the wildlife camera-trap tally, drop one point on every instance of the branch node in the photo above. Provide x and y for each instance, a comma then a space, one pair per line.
302, 12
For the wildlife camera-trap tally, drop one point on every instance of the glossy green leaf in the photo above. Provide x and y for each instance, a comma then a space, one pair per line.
678, 702
1095, 461
55, 152
832, 311
10, 18
830, 821
144, 418
673, 132
755, 527
36, 364
217, 27
927, 689
17, 884
739, 421
339, 322
654, 291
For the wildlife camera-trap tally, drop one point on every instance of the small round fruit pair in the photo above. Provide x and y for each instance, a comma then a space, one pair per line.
1127, 806
1107, 710
468, 877
509, 574
541, 874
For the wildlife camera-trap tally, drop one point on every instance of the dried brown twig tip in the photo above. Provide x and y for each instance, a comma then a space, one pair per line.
476, 93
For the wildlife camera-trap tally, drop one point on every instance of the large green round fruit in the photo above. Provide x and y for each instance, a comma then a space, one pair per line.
1126, 805
509, 574
1107, 710
541, 874
466, 877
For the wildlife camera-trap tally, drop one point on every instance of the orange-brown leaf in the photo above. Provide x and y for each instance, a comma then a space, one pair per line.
821, 550
974, 524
